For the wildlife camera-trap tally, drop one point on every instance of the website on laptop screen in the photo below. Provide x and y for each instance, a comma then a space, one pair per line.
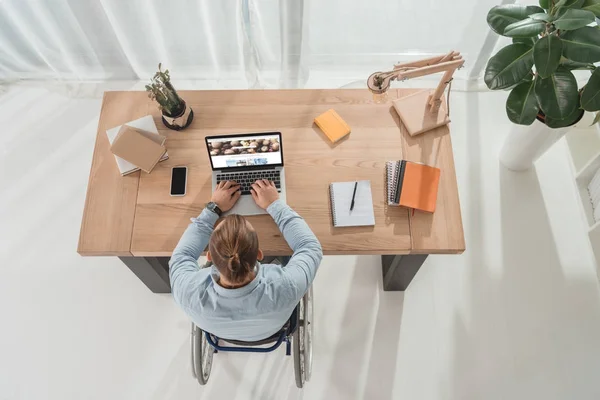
245, 151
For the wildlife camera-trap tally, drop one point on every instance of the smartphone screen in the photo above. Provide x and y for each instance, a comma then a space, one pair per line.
178, 181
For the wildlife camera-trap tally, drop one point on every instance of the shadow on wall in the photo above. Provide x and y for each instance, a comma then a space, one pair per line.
530, 325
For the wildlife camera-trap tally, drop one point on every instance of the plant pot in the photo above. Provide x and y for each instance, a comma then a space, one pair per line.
586, 121
525, 144
181, 121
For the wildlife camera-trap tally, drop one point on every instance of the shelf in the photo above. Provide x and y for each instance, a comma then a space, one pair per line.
585, 200
586, 173
584, 144
594, 227
584, 148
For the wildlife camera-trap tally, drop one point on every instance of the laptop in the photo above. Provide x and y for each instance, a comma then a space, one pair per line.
246, 158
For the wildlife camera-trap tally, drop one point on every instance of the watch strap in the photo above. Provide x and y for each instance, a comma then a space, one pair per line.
212, 206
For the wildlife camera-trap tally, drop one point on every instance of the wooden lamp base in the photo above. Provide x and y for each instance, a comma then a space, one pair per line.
416, 114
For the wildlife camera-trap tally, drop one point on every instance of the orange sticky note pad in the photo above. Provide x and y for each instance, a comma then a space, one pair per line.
332, 125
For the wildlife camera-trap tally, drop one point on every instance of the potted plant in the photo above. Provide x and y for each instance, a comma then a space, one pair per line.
549, 42
175, 113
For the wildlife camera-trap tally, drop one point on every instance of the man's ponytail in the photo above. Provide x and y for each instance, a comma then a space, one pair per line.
234, 248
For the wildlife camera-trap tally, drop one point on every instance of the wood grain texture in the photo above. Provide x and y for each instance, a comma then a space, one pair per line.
110, 202
311, 163
442, 231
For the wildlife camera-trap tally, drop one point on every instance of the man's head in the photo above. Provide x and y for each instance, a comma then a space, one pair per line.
233, 248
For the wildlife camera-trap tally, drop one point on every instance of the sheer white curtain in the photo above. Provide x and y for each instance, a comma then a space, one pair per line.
277, 43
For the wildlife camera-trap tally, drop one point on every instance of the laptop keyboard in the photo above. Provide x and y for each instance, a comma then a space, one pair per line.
247, 178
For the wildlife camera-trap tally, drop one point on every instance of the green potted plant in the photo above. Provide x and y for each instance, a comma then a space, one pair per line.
549, 42
175, 112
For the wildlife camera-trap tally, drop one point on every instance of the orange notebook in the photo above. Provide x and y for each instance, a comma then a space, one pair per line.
332, 125
412, 185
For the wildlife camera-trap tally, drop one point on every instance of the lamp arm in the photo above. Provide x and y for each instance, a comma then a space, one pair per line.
431, 69
423, 110
379, 82
435, 98
429, 61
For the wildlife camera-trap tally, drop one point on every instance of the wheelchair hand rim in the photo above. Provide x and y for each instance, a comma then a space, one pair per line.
207, 357
308, 333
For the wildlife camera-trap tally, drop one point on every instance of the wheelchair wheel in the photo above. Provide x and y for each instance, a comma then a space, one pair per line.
302, 340
202, 355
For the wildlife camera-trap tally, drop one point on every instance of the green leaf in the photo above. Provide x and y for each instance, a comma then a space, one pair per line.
545, 4
595, 9
528, 41
597, 119
572, 65
569, 3
590, 98
582, 45
563, 123
546, 55
593, 6
499, 17
525, 28
528, 78
574, 117
557, 94
574, 19
542, 17
509, 66
522, 105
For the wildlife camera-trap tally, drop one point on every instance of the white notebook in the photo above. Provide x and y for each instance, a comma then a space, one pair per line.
341, 198
145, 123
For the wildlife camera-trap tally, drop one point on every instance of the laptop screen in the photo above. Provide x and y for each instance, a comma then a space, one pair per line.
247, 150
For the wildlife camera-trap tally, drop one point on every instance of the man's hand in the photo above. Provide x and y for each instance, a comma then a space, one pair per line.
264, 193
226, 194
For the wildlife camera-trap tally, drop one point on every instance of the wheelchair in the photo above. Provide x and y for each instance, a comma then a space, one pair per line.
297, 334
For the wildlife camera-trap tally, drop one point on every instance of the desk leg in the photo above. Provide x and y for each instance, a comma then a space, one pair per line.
152, 271
399, 270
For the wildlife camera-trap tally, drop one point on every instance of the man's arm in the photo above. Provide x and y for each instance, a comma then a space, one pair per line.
184, 261
308, 253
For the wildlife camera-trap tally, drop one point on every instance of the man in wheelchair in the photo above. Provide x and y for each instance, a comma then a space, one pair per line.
238, 297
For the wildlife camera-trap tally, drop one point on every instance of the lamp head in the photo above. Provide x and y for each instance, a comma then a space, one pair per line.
379, 82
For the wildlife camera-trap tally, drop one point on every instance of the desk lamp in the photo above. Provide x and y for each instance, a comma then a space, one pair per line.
426, 109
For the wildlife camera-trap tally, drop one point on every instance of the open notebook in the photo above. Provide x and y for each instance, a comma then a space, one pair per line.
341, 198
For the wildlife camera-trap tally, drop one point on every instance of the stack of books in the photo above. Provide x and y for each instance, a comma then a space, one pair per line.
137, 145
412, 185
594, 192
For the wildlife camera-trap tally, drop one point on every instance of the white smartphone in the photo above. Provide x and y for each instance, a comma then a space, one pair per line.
178, 181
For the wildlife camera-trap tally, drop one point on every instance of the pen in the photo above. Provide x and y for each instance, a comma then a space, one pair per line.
353, 196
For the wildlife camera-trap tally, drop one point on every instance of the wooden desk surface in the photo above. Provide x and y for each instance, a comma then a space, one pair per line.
135, 215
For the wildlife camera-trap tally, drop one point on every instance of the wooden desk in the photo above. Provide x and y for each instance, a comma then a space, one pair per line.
135, 218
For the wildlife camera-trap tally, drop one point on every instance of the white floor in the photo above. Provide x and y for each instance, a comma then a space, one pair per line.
517, 316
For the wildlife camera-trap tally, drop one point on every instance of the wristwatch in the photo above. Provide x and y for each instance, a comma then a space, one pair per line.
212, 206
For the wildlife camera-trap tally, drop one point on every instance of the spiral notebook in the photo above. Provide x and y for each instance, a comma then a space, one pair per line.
341, 198
412, 185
